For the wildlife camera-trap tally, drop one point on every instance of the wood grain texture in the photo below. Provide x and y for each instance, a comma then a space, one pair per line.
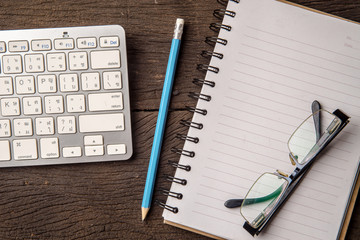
102, 200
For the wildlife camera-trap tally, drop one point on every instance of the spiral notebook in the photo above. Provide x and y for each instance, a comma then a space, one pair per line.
271, 60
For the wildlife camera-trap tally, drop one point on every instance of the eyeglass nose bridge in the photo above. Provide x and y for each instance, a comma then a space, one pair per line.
282, 173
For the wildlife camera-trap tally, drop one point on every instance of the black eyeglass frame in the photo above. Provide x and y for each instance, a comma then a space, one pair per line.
297, 175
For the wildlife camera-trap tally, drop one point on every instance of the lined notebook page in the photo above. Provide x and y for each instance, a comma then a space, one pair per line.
279, 58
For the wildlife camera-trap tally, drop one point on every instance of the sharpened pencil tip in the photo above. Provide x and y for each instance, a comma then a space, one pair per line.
144, 212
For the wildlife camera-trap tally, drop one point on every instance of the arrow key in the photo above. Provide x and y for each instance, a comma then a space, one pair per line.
94, 150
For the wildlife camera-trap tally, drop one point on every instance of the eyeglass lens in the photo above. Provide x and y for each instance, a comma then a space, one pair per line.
262, 198
306, 140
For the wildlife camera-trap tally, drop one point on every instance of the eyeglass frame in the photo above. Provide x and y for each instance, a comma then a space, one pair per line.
296, 176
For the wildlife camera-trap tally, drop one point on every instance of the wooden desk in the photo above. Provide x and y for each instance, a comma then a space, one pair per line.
103, 200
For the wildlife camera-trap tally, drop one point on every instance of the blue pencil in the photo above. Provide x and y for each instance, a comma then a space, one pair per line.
161, 120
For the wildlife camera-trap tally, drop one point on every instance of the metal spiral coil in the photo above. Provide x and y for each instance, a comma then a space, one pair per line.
204, 67
213, 40
220, 13
171, 194
167, 207
217, 26
183, 152
200, 96
191, 124
212, 54
177, 165
200, 82
187, 138
196, 110
175, 180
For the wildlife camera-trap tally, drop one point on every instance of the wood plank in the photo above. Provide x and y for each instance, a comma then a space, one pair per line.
102, 200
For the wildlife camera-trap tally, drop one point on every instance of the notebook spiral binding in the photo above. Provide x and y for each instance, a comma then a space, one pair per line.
216, 27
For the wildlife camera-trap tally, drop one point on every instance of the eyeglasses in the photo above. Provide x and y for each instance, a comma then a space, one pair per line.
271, 190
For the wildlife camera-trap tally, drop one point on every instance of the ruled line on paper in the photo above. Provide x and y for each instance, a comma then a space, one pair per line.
303, 224
301, 213
267, 117
293, 230
216, 189
223, 181
247, 150
281, 162
262, 107
210, 216
237, 157
307, 197
293, 78
307, 55
304, 43
270, 90
224, 210
257, 115
236, 166
268, 99
241, 120
301, 71
276, 140
253, 142
293, 87
208, 196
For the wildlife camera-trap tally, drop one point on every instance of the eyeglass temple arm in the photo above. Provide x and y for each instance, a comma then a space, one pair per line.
315, 107
233, 203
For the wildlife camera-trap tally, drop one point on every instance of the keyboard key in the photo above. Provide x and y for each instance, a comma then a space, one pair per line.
25, 149
49, 147
66, 125
46, 83
32, 105
6, 86
54, 104
18, 46
101, 122
12, 64
75, 103
69, 82
25, 84
105, 101
83, 43
56, 62
5, 150
2, 47
94, 150
90, 81
41, 45
93, 140
10, 106
44, 126
78, 61
116, 149
64, 44
105, 59
112, 80
34, 63
109, 42
72, 152
5, 128
23, 127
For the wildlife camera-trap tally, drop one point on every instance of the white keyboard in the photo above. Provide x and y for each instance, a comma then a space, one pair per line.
64, 96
